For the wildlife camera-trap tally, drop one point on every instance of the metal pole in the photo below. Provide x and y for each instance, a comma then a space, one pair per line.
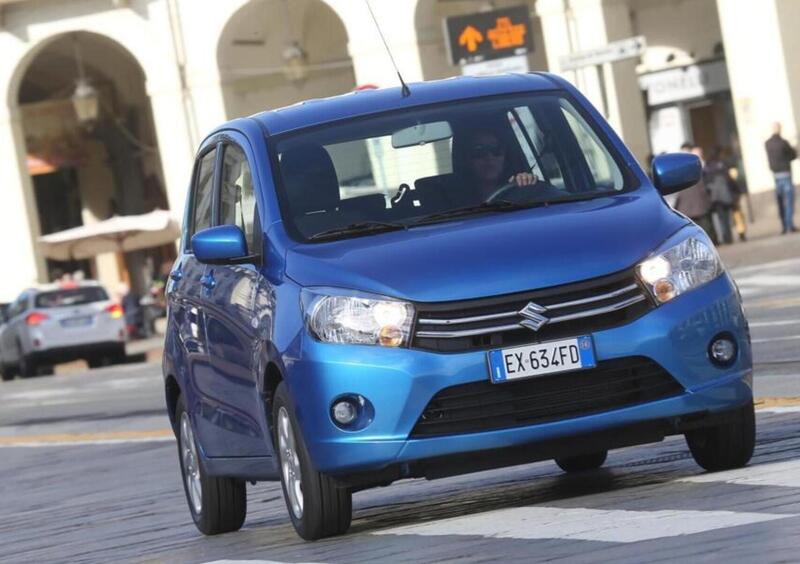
601, 79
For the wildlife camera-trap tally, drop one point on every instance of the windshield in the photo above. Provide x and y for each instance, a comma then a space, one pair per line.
436, 163
72, 297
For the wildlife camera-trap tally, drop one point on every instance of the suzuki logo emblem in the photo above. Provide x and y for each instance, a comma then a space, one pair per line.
534, 319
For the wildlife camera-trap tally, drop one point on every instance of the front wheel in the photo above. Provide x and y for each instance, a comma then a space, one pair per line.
217, 505
726, 446
318, 506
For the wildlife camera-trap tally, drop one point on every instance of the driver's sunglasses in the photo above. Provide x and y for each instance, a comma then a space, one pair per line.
480, 150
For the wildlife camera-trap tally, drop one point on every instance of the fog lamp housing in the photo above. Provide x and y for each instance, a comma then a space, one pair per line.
352, 412
723, 350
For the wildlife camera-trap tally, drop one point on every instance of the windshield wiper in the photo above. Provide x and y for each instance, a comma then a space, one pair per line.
359, 227
497, 205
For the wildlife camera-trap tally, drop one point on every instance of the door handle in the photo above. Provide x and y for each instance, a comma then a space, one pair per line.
208, 281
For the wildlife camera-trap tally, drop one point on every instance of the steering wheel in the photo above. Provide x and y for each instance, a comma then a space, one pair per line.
500, 191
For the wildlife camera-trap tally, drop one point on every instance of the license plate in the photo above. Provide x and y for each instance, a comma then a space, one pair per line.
77, 321
563, 355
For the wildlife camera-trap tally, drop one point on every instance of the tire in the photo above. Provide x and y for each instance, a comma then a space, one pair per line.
325, 507
27, 367
119, 356
726, 446
219, 505
98, 361
582, 462
6, 373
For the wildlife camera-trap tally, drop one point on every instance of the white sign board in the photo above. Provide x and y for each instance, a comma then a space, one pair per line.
667, 131
497, 66
685, 83
615, 51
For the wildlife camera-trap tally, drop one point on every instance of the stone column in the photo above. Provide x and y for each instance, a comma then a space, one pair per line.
570, 26
762, 48
23, 266
176, 142
371, 63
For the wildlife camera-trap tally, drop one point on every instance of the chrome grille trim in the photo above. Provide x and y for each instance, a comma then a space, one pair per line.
473, 319
489, 317
600, 310
468, 332
608, 296
500, 328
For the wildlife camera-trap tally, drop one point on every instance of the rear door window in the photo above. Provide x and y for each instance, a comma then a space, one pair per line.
72, 297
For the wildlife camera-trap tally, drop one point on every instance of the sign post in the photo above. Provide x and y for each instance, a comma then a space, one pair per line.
490, 42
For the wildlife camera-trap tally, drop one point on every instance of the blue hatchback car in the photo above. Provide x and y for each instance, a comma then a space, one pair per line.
376, 286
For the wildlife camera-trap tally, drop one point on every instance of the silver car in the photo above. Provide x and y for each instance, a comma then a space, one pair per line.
52, 324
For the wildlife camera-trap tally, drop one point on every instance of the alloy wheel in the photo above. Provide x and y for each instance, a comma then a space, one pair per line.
191, 465
290, 463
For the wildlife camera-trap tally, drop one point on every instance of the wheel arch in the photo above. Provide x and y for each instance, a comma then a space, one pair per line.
172, 391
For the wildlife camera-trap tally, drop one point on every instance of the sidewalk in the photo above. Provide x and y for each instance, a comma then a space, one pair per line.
764, 240
151, 348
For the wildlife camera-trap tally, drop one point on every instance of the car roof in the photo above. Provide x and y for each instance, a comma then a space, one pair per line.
371, 101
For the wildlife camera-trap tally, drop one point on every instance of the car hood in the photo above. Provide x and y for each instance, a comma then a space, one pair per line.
493, 254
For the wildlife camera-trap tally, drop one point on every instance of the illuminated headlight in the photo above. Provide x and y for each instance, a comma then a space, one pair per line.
688, 265
357, 319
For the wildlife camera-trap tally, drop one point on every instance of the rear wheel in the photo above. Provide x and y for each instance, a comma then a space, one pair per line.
318, 506
217, 505
582, 462
6, 373
725, 446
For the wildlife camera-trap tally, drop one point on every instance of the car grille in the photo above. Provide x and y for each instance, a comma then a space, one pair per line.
483, 406
569, 310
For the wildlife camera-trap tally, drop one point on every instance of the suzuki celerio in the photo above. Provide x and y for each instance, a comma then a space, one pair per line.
479, 274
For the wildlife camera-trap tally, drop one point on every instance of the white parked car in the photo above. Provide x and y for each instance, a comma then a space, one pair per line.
52, 324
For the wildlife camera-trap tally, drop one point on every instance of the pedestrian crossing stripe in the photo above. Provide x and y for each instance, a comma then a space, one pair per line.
782, 474
601, 525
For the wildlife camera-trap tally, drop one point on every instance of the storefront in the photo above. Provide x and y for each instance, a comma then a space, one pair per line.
691, 103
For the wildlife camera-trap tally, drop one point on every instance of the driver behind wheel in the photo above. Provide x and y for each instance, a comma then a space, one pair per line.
481, 156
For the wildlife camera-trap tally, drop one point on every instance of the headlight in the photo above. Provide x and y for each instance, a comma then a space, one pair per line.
358, 319
687, 265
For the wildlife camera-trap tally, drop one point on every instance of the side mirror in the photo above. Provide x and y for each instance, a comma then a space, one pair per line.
224, 244
675, 171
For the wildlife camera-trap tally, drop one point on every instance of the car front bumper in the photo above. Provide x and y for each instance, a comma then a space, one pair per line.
400, 382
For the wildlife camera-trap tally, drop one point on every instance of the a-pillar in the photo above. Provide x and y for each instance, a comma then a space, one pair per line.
19, 220
762, 49
571, 26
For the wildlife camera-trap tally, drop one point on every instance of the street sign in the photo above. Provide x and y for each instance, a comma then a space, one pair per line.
615, 51
474, 38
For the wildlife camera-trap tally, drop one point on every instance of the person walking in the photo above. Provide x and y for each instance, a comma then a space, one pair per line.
695, 202
723, 193
780, 155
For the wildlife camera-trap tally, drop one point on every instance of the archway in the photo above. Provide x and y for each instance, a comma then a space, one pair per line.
273, 53
86, 170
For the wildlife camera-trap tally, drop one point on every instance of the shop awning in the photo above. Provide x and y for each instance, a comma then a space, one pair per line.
118, 234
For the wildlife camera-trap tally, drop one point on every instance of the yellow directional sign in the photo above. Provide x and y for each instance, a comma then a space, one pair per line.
507, 34
470, 38
474, 38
